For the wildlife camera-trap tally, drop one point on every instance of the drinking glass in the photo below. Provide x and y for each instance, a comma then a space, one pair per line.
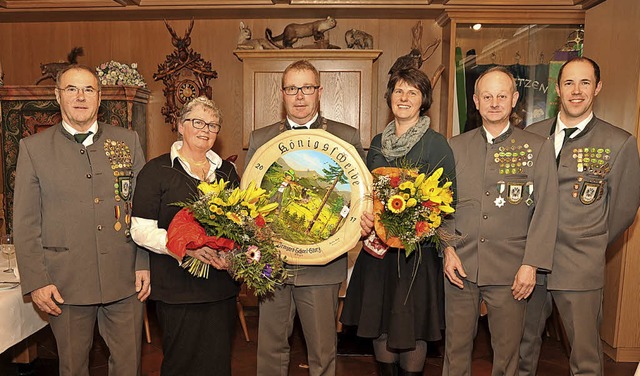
8, 249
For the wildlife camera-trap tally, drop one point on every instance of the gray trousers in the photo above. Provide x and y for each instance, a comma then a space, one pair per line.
317, 309
506, 320
581, 314
120, 325
539, 309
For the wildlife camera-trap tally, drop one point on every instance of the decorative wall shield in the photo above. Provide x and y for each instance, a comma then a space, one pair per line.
322, 186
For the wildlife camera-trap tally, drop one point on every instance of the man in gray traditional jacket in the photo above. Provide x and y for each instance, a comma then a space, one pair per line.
599, 195
311, 291
506, 219
74, 184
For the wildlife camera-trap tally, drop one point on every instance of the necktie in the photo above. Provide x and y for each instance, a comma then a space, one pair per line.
299, 127
80, 137
567, 133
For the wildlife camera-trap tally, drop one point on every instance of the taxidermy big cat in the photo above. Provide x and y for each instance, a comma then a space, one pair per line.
293, 32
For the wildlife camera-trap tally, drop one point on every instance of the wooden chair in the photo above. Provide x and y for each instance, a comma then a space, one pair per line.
241, 316
145, 320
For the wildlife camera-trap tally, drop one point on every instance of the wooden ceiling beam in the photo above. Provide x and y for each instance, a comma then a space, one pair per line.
131, 10
583, 4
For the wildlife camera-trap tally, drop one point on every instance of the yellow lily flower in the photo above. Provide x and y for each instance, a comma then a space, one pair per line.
235, 197
446, 208
218, 201
253, 193
267, 208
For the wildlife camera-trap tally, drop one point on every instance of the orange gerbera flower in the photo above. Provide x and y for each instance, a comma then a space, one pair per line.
396, 204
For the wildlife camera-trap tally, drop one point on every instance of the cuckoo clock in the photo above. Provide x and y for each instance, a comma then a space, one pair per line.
184, 74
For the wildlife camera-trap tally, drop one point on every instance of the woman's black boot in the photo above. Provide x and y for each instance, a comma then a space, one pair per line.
388, 369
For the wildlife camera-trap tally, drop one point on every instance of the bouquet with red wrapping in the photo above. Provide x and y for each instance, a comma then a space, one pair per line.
233, 222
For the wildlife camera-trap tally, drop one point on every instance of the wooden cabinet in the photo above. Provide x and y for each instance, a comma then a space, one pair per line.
522, 40
25, 110
349, 78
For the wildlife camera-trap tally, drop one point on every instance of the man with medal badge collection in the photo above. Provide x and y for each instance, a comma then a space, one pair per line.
511, 160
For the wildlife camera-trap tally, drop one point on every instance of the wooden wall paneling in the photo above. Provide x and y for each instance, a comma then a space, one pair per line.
347, 77
607, 34
147, 43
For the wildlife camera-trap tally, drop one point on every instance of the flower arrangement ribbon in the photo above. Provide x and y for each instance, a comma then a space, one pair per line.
185, 232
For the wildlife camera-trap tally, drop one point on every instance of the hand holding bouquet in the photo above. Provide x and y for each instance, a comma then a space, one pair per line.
233, 222
409, 207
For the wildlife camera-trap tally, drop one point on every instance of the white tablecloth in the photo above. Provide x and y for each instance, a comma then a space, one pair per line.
19, 318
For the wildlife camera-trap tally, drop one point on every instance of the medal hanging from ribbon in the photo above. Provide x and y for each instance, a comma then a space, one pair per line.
117, 226
499, 201
127, 217
529, 187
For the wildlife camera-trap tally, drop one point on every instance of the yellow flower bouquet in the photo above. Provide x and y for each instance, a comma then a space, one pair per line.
409, 207
232, 221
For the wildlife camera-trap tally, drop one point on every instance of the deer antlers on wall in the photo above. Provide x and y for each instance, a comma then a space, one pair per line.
181, 44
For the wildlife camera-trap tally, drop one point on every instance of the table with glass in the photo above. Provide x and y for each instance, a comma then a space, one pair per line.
19, 318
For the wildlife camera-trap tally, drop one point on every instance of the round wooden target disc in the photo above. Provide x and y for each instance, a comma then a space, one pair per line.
322, 187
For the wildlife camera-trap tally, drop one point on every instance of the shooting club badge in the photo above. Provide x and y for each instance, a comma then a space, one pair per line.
590, 192
124, 187
514, 192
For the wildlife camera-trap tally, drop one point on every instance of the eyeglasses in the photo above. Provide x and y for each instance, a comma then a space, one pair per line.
73, 91
306, 90
200, 124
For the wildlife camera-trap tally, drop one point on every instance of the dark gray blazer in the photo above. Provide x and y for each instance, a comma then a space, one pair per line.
336, 270
65, 212
594, 208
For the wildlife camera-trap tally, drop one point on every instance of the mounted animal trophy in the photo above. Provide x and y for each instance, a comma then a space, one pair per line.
181, 44
358, 39
293, 32
50, 70
417, 56
246, 43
